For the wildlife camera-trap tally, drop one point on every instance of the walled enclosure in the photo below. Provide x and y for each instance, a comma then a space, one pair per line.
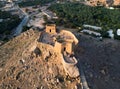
51, 28
68, 39
63, 43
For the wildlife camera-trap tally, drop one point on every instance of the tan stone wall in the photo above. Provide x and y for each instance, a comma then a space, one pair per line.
51, 28
57, 47
67, 46
61, 47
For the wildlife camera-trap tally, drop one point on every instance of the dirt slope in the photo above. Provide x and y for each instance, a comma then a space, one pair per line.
26, 64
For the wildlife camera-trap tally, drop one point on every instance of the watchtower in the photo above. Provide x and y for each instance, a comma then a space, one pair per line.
50, 28
67, 46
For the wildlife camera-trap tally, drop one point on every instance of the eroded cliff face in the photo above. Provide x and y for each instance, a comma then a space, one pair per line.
103, 2
27, 64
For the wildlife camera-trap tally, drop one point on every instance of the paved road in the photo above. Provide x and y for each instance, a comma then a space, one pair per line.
20, 26
23, 23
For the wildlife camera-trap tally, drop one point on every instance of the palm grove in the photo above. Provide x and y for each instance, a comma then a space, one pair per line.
75, 15
9, 22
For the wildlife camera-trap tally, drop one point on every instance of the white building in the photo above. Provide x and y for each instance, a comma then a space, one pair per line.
92, 27
118, 32
111, 34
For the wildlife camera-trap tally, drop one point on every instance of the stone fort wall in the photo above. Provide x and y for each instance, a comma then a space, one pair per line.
69, 40
51, 28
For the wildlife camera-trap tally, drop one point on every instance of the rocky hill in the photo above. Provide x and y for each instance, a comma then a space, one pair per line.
103, 2
27, 64
116, 2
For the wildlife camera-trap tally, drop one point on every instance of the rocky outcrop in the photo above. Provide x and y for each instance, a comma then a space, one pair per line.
116, 2
103, 2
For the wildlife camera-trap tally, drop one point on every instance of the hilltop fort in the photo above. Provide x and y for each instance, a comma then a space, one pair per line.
62, 42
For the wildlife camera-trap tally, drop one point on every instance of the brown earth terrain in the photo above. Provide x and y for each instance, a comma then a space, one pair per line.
23, 65
100, 61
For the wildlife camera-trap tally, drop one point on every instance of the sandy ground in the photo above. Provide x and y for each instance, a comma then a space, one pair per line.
100, 61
